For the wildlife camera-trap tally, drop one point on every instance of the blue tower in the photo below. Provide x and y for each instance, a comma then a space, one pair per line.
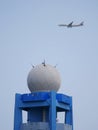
42, 108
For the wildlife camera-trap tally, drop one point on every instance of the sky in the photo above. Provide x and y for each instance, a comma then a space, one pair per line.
29, 33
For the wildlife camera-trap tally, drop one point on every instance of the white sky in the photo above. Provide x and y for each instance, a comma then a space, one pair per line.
29, 33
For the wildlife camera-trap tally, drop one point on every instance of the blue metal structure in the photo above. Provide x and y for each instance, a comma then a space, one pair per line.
42, 107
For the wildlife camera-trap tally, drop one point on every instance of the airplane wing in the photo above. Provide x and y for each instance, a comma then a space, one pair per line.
70, 24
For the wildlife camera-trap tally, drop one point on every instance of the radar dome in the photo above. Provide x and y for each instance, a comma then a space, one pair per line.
43, 77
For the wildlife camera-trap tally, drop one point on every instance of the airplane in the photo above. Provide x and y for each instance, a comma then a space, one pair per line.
70, 25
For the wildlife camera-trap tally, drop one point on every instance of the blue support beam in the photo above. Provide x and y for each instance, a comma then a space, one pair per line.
69, 115
17, 113
52, 111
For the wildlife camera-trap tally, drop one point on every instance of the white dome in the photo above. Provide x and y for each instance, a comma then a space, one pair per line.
43, 78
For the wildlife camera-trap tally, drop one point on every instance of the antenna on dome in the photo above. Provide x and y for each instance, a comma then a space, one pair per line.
32, 66
44, 63
55, 66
